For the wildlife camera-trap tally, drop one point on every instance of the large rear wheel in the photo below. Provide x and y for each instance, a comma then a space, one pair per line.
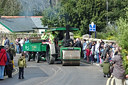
50, 59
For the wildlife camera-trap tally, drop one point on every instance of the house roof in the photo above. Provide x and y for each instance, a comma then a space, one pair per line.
38, 22
21, 23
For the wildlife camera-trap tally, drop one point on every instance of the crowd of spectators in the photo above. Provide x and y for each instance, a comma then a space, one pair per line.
8, 51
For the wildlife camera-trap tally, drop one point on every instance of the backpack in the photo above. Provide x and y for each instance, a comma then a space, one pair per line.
21, 63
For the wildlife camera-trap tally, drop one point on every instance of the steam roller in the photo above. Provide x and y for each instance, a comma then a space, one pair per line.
71, 57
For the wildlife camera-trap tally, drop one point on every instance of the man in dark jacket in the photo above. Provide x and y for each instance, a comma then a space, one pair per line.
8, 67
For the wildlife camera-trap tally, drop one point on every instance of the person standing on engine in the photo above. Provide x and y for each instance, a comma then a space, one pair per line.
44, 36
52, 37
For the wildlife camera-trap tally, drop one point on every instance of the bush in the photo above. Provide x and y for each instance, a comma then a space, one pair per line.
100, 35
122, 39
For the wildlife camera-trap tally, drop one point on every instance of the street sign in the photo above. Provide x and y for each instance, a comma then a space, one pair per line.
92, 27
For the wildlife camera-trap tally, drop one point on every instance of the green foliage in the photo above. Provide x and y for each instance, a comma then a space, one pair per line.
80, 13
122, 33
121, 37
125, 64
116, 9
99, 35
77, 13
77, 37
9, 7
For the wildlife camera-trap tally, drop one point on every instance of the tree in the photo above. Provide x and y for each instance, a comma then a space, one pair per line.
9, 7
80, 13
116, 9
122, 32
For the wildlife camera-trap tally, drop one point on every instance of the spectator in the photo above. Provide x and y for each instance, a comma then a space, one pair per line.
3, 41
77, 43
106, 67
92, 52
90, 44
118, 71
97, 52
101, 52
17, 46
11, 51
21, 44
21, 64
7, 42
3, 60
27, 40
8, 66
84, 48
87, 53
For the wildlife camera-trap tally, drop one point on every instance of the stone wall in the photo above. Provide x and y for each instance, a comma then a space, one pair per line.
12, 36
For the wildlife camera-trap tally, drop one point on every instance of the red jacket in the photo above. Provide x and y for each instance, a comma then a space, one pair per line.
87, 52
4, 58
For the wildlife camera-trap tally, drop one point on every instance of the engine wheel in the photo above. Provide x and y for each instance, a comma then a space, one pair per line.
28, 55
37, 57
50, 59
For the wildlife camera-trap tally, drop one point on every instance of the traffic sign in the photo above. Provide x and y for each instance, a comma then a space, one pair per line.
92, 27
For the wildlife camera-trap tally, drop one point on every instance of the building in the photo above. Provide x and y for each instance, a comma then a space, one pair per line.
22, 24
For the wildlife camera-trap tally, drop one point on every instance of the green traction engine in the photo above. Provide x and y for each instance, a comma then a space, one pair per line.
60, 50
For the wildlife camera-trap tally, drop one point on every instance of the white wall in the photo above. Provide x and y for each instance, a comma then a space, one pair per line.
41, 30
3, 29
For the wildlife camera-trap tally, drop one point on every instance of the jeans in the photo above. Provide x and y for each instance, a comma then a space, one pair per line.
21, 72
97, 55
21, 48
2, 72
84, 54
17, 48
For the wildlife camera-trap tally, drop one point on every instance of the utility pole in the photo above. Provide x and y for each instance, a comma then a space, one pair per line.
107, 12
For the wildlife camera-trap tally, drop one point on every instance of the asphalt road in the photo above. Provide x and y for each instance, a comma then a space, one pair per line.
44, 74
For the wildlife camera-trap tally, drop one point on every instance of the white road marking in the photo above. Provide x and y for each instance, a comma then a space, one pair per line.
108, 81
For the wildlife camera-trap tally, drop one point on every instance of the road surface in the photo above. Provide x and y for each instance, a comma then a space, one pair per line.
44, 74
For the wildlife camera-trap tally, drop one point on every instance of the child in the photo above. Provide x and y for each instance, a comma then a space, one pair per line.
87, 53
106, 67
21, 64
